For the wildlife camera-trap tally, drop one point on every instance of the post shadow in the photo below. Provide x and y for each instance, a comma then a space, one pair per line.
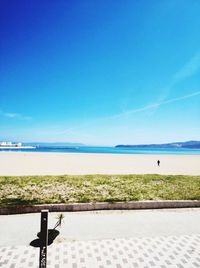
52, 234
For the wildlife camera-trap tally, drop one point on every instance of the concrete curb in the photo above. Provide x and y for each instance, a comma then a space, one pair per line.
102, 206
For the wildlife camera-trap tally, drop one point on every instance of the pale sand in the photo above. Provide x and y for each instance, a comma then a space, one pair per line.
23, 163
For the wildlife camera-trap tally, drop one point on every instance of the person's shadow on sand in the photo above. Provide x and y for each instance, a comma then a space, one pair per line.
52, 234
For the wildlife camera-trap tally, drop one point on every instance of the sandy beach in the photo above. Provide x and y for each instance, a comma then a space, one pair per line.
27, 163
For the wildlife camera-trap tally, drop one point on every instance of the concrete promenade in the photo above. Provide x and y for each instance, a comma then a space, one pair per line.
147, 238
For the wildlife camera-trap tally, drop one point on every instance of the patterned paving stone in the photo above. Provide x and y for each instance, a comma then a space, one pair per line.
158, 252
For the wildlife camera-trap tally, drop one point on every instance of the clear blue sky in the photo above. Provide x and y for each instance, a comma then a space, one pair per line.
100, 72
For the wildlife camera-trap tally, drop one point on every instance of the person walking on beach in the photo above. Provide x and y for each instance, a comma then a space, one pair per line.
158, 162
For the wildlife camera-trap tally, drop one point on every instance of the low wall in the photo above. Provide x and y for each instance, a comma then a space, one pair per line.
102, 206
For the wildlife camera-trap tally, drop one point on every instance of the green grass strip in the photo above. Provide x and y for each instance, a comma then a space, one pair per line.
30, 190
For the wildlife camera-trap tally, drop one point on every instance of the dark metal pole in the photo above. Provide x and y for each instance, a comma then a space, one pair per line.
43, 238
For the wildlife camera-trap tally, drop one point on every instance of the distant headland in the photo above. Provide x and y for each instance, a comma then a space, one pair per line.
174, 145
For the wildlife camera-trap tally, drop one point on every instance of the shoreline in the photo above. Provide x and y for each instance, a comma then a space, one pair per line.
39, 163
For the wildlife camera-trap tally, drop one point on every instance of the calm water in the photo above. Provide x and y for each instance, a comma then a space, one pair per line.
108, 150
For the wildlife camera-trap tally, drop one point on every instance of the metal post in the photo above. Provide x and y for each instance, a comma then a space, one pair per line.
43, 238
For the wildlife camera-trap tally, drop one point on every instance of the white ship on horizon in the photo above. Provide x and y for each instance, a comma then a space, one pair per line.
14, 145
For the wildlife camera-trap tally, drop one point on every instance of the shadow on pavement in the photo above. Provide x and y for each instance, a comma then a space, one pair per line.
52, 234
35, 243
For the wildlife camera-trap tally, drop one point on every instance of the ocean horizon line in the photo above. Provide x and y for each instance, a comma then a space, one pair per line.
106, 150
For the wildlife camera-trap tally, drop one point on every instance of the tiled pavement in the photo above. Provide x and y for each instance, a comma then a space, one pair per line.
164, 252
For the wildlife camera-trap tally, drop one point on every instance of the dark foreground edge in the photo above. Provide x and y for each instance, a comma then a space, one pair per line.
102, 206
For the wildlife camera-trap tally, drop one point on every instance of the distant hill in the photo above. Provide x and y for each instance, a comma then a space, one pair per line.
186, 145
53, 144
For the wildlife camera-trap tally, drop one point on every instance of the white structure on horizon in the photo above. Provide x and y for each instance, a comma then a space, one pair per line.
10, 144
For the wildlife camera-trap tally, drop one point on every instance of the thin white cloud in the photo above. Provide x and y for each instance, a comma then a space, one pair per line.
11, 115
14, 115
151, 106
189, 69
154, 105
100, 120
80, 132
182, 97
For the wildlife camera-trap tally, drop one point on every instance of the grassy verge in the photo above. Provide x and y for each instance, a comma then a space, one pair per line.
96, 188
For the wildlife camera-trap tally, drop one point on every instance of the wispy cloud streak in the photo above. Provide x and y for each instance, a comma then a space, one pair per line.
155, 105
189, 69
14, 115
134, 111
182, 97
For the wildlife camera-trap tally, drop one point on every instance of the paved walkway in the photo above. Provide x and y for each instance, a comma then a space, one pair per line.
18, 230
113, 239
164, 252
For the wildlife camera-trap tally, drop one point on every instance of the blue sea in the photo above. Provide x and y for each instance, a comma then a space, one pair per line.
108, 150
